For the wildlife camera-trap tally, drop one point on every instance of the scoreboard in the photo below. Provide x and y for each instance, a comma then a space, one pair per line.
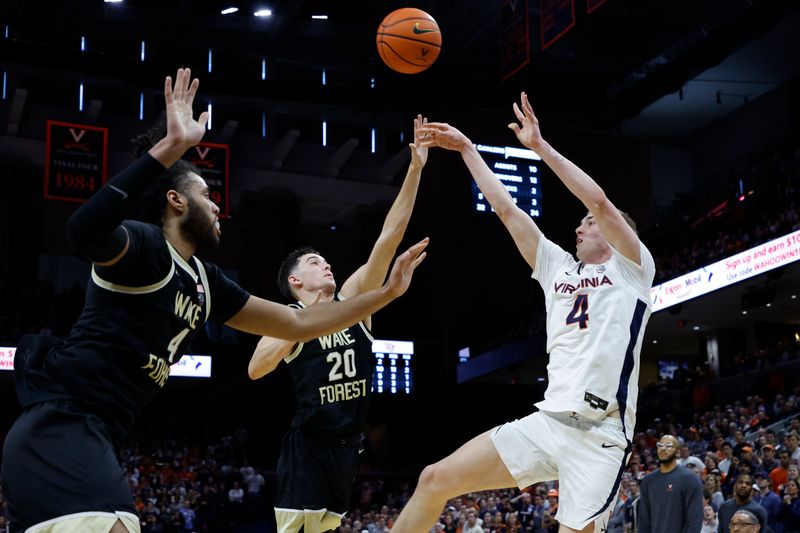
518, 169
392, 374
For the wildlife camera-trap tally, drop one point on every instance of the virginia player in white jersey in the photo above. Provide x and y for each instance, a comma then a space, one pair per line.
597, 308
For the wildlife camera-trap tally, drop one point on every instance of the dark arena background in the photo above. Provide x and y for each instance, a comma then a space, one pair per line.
685, 112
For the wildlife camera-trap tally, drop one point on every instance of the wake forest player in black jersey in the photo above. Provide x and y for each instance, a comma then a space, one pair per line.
147, 297
332, 374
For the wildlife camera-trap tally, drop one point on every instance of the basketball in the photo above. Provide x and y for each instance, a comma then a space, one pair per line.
409, 40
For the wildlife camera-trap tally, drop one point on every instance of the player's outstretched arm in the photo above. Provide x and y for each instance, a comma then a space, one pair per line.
94, 229
271, 351
372, 273
618, 233
522, 228
268, 353
262, 317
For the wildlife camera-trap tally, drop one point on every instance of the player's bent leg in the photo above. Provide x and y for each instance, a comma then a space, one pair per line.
120, 527
474, 467
564, 529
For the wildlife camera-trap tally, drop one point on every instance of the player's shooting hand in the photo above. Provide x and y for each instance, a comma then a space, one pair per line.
442, 135
419, 153
529, 133
182, 129
404, 266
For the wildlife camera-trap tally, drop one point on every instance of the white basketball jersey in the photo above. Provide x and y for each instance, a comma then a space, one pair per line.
596, 315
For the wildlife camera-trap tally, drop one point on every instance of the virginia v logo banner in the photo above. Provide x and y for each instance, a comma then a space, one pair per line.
76, 161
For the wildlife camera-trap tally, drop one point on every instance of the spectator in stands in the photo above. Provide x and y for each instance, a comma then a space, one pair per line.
710, 523
789, 516
714, 487
671, 498
793, 472
768, 460
537, 516
616, 523
792, 447
725, 460
742, 499
471, 525
780, 474
742, 520
768, 499
525, 507
684, 455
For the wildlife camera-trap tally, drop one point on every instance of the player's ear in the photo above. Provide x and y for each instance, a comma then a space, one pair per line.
294, 281
176, 200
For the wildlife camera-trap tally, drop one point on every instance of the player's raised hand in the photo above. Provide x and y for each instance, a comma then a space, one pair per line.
442, 135
404, 266
419, 153
182, 128
528, 133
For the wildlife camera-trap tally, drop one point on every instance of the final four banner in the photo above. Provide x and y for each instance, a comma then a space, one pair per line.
213, 162
76, 161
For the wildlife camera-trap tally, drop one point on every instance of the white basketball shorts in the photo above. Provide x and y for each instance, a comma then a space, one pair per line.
586, 457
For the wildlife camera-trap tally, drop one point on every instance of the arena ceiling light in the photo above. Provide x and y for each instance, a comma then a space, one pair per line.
263, 13
112, 1
229, 10
319, 17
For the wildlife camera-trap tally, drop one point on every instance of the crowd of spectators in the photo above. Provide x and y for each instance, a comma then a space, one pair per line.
757, 203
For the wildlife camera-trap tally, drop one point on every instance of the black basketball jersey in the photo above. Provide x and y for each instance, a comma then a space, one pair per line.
140, 316
333, 377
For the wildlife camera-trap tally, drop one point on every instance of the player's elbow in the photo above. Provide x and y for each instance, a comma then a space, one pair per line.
257, 370
599, 204
505, 210
253, 372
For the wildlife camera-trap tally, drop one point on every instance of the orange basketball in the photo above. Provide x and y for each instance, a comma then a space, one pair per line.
409, 40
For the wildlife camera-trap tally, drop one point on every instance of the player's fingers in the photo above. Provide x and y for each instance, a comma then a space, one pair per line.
526, 105
168, 90
417, 248
187, 76
514, 127
203, 119
418, 260
177, 89
518, 113
192, 91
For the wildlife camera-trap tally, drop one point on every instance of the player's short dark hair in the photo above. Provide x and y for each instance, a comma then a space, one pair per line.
177, 177
286, 269
744, 474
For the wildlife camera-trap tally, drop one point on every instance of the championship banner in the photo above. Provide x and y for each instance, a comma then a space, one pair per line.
213, 163
592, 5
556, 17
516, 37
76, 161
